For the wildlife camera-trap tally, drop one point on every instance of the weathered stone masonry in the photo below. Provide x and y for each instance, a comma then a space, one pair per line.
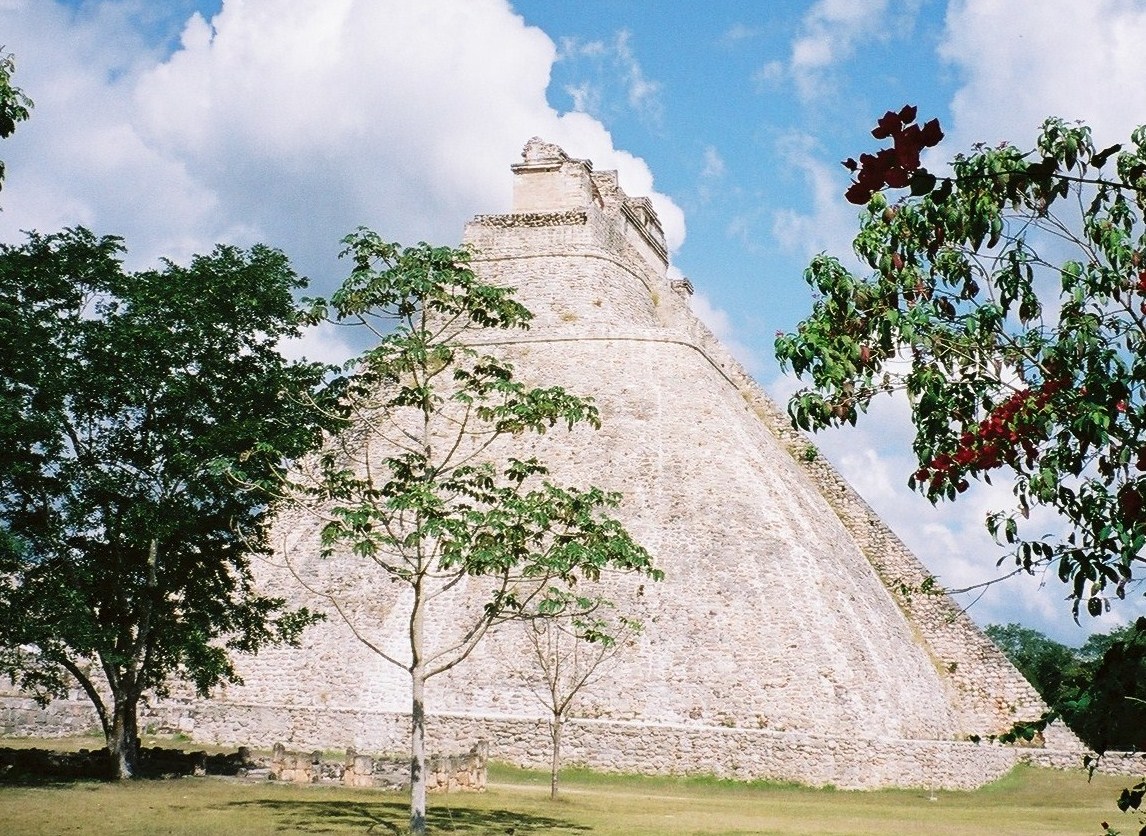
777, 645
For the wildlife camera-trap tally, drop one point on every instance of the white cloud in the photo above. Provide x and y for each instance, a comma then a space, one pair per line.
742, 32
574, 47
586, 97
289, 122
327, 343
712, 172
644, 94
1023, 61
830, 224
768, 76
713, 163
613, 62
829, 35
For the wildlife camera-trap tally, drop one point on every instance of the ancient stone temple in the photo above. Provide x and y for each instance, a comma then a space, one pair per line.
781, 642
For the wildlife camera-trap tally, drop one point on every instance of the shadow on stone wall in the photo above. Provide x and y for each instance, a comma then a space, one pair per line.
32, 765
444, 773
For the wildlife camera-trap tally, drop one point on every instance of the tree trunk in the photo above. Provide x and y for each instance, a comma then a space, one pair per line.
555, 765
123, 742
417, 718
418, 758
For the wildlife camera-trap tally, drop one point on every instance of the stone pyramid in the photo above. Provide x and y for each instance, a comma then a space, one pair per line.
781, 644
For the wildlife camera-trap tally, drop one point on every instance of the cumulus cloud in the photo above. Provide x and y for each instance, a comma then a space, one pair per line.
829, 35
326, 343
1023, 61
288, 122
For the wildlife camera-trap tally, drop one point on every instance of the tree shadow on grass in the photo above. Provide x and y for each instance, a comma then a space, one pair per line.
392, 817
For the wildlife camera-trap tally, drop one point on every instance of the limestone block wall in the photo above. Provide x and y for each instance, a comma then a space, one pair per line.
990, 706
548, 180
751, 627
585, 280
444, 773
23, 717
988, 691
744, 754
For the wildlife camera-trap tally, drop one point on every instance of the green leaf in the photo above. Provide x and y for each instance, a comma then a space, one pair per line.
922, 183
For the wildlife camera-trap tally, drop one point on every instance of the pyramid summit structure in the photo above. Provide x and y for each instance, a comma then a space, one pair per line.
785, 640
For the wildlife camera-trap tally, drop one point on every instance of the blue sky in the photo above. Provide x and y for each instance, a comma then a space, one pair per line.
181, 123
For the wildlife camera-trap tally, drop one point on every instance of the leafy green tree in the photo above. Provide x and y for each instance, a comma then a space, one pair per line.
1109, 711
124, 547
1099, 689
1008, 300
14, 105
1051, 667
432, 484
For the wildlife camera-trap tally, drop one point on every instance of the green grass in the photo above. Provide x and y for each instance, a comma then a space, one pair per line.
1028, 801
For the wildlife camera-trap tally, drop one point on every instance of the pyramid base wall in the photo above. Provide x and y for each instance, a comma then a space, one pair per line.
609, 746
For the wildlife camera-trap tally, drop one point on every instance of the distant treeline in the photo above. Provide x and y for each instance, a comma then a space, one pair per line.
1098, 689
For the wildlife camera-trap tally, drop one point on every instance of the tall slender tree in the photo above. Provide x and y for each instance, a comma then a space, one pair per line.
564, 663
433, 486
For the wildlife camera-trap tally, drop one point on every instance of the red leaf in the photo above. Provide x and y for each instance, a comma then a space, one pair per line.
858, 194
931, 134
1130, 503
907, 158
909, 138
871, 177
896, 177
907, 114
887, 126
850, 164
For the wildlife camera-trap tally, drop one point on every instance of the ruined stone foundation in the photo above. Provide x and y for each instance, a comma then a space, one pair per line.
779, 645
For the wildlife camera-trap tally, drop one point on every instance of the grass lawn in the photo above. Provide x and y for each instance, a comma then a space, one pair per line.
1029, 801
